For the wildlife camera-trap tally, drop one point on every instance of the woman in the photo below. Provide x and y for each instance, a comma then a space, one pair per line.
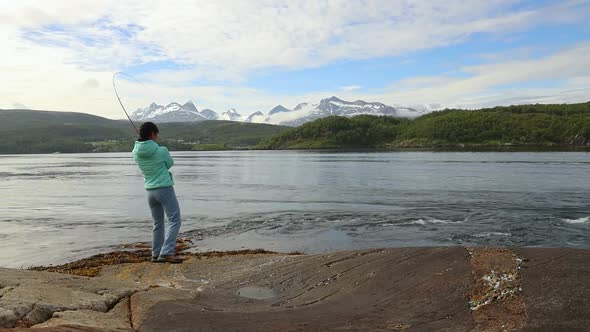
154, 161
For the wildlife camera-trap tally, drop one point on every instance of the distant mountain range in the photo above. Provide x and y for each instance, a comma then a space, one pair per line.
34, 131
173, 112
521, 126
231, 115
280, 115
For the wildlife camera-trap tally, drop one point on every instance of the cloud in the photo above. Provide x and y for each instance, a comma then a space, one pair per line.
350, 87
479, 86
91, 83
61, 57
249, 35
19, 106
489, 84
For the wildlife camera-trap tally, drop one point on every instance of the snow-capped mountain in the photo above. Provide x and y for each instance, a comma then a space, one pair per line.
306, 112
231, 115
209, 114
278, 109
173, 112
256, 117
336, 106
280, 115
301, 106
143, 113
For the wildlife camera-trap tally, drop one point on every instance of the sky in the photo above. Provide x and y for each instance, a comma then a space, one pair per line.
252, 55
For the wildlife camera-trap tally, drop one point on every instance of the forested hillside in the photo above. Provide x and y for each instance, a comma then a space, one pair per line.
567, 124
27, 131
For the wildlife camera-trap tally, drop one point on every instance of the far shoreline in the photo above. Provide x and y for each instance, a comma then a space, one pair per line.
441, 148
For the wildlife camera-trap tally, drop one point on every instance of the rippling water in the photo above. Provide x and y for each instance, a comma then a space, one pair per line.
62, 207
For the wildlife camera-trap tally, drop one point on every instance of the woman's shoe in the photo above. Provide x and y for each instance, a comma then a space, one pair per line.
169, 259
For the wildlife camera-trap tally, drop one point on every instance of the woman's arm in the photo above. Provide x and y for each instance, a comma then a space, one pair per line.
165, 156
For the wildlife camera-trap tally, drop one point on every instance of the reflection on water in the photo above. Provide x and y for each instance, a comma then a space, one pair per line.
61, 207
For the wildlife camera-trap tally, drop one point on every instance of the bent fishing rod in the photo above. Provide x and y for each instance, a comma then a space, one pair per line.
119, 99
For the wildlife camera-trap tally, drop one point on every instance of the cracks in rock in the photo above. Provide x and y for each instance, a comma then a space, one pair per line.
281, 275
130, 313
363, 263
213, 309
53, 281
335, 276
115, 303
394, 282
393, 261
447, 316
353, 256
345, 270
5, 290
313, 302
278, 304
421, 252
383, 268
326, 281
37, 314
19, 318
129, 305
290, 268
289, 273
547, 262
341, 273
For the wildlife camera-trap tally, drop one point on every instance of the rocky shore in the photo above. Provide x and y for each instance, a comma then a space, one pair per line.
393, 289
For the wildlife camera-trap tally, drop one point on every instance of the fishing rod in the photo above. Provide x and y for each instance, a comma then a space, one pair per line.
118, 98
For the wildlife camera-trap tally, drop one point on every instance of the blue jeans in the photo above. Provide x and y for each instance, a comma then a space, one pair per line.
163, 200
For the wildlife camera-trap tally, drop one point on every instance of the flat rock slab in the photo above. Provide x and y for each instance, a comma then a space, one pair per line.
63, 328
556, 289
391, 289
31, 297
409, 289
117, 319
256, 293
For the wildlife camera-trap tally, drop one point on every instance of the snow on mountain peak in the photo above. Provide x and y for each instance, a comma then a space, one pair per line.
173, 112
333, 99
278, 109
189, 105
209, 114
300, 106
302, 113
336, 106
256, 117
231, 115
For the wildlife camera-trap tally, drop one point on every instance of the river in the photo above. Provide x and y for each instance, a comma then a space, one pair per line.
60, 207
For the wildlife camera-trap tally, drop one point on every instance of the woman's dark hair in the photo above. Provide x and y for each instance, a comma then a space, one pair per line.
146, 130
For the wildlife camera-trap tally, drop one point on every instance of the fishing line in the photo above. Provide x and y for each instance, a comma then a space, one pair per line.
118, 98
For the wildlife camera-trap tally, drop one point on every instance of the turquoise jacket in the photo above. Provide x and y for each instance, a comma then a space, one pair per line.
154, 161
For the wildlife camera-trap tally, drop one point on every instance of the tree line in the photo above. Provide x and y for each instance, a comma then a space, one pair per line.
565, 124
